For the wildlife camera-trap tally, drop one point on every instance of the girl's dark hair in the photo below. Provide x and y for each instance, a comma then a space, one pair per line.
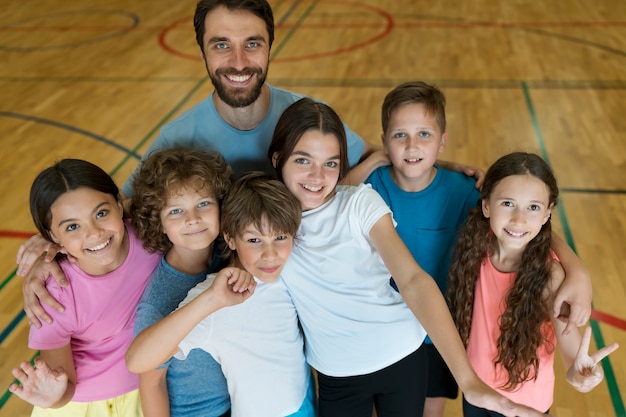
62, 177
167, 171
263, 201
297, 119
522, 325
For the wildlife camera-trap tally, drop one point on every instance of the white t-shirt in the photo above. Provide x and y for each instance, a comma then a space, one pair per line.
354, 321
260, 347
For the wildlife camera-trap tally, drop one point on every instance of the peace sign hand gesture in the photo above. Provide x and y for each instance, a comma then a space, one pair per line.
585, 374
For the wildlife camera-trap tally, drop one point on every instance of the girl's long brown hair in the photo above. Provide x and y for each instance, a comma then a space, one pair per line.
527, 303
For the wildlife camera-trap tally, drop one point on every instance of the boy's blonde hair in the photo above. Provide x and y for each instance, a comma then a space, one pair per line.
415, 92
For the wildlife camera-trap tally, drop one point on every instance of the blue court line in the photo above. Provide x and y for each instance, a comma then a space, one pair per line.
12, 325
70, 128
616, 398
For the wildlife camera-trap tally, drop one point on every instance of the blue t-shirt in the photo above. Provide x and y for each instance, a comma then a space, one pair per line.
196, 385
428, 221
245, 150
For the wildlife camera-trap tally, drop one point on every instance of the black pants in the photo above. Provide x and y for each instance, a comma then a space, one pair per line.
398, 390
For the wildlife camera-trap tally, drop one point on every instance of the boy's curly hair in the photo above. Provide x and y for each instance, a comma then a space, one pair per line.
522, 325
164, 173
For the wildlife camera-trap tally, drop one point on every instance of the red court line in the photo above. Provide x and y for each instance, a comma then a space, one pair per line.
15, 234
608, 319
184, 24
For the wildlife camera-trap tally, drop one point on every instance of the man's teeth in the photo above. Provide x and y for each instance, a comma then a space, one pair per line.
413, 160
310, 188
99, 247
239, 78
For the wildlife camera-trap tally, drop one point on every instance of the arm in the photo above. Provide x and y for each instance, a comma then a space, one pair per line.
470, 171
583, 372
426, 301
155, 400
363, 169
573, 299
50, 383
160, 341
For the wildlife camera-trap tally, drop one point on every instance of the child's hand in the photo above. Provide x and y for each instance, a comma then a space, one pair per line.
35, 292
480, 395
39, 385
232, 286
585, 374
241, 280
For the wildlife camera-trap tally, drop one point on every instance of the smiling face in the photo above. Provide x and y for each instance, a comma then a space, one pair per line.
89, 225
517, 208
413, 141
263, 255
312, 170
191, 219
236, 54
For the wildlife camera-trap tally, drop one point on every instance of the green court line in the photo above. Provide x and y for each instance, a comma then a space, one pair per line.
7, 279
616, 398
161, 123
293, 29
7, 393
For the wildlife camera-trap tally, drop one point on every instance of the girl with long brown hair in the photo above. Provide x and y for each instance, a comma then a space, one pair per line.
502, 283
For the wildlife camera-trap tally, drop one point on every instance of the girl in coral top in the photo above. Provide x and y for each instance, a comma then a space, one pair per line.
502, 283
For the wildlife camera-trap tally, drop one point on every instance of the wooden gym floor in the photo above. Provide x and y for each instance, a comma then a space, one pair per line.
97, 80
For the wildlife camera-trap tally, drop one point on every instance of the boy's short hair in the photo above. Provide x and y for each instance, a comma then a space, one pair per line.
415, 92
165, 172
263, 201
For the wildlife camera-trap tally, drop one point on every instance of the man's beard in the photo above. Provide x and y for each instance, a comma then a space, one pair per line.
238, 97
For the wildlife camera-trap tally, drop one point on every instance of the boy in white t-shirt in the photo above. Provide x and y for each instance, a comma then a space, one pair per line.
256, 338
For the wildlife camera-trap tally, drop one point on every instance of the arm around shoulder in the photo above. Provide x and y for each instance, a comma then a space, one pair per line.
572, 303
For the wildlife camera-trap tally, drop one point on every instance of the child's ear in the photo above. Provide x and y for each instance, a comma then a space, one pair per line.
548, 214
54, 238
275, 159
485, 206
384, 142
230, 242
444, 140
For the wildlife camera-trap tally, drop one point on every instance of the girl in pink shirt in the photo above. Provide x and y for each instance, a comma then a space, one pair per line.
81, 370
501, 287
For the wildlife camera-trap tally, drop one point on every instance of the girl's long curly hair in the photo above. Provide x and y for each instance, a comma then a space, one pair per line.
522, 325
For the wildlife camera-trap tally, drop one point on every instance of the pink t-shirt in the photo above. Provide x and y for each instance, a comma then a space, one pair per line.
98, 322
489, 304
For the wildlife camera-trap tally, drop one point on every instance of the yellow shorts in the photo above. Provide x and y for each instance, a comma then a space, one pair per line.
126, 405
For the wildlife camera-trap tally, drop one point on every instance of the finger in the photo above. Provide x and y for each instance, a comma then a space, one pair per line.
58, 276
34, 248
604, 352
15, 389
48, 300
27, 368
36, 314
583, 349
21, 250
